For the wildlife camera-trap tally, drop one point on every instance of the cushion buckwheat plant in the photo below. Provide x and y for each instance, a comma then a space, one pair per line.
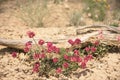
50, 60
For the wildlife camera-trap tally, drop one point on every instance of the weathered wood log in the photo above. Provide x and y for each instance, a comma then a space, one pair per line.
110, 33
19, 44
96, 27
108, 39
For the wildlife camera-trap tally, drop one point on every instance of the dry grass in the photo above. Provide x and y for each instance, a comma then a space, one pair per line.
33, 12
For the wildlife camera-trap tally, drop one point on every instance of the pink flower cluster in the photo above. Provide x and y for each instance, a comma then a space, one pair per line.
77, 59
36, 67
90, 49
63, 62
38, 56
41, 42
14, 54
28, 46
75, 42
30, 34
51, 48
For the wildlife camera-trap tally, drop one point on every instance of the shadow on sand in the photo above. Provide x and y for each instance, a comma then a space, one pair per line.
8, 50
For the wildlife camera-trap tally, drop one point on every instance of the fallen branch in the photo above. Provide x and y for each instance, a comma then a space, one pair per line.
96, 27
109, 38
19, 44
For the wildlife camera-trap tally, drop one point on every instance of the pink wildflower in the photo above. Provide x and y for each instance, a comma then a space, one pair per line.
96, 43
55, 49
66, 57
14, 54
42, 55
49, 50
77, 41
70, 41
36, 56
76, 52
26, 49
28, 44
30, 34
86, 59
87, 49
41, 42
58, 70
93, 49
79, 59
55, 60
49, 44
89, 56
37, 64
65, 65
73, 59
36, 67
83, 64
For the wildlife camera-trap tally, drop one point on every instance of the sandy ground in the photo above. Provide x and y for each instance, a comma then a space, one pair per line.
107, 68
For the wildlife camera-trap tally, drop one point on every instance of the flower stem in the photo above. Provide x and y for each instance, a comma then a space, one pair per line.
37, 44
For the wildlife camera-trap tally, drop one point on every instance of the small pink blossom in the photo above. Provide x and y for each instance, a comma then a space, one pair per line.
30, 34
39, 56
86, 59
36, 67
28, 44
42, 55
55, 60
41, 42
49, 44
55, 49
87, 49
59, 70
96, 43
66, 57
83, 64
37, 64
79, 59
93, 49
70, 41
76, 52
26, 49
14, 54
77, 41
90, 56
49, 50
65, 65
73, 59
36, 56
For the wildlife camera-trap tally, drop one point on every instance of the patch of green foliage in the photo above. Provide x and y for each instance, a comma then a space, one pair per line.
96, 9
